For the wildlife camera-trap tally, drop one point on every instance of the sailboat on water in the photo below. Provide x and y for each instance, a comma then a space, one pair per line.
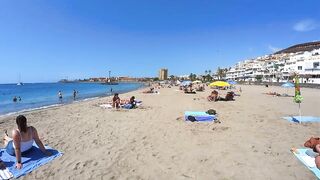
19, 82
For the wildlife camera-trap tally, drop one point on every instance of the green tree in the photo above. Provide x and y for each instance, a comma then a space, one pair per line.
220, 73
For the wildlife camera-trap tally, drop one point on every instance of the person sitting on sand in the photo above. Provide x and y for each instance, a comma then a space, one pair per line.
213, 96
22, 140
116, 101
131, 104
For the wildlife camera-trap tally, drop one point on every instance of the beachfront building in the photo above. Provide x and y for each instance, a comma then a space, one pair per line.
279, 68
163, 74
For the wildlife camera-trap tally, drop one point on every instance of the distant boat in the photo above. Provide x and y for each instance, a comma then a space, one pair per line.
19, 82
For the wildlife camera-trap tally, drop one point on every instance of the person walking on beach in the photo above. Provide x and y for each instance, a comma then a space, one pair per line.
74, 94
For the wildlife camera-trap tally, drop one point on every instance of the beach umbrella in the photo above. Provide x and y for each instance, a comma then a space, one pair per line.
297, 94
232, 82
185, 83
219, 84
196, 82
287, 85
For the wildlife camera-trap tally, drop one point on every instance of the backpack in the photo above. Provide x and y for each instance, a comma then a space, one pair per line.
211, 112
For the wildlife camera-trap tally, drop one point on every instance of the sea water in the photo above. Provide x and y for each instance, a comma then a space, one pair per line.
42, 95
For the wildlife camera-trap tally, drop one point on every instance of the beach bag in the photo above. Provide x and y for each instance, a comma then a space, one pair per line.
191, 118
211, 112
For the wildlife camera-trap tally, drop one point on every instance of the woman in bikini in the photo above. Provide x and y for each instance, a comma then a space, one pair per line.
22, 140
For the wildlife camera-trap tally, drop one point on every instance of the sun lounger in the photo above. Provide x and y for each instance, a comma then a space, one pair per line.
297, 119
308, 161
199, 116
32, 161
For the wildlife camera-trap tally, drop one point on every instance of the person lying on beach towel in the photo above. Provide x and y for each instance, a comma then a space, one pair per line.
189, 90
229, 97
150, 91
314, 144
22, 140
273, 93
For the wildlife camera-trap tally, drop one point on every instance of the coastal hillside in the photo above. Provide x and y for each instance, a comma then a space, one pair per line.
301, 47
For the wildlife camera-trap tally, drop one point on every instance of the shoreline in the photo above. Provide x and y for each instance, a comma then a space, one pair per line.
66, 103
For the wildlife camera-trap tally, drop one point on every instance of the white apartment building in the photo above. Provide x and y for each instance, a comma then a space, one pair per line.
279, 68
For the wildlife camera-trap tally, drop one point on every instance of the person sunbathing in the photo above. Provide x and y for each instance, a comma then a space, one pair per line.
314, 144
150, 91
22, 140
229, 97
131, 104
273, 93
116, 101
213, 96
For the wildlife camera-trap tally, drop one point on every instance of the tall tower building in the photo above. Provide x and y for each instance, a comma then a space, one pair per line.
163, 74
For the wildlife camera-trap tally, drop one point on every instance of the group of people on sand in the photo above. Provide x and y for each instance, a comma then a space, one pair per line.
21, 141
214, 96
128, 104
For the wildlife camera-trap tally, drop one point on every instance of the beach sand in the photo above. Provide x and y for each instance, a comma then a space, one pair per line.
152, 142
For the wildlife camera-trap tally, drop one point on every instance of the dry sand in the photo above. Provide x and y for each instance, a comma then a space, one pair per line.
252, 142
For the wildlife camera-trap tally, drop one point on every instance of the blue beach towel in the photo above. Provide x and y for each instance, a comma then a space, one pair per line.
302, 157
199, 116
303, 119
35, 158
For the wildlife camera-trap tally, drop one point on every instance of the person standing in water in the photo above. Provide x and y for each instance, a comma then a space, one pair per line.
60, 95
15, 99
74, 94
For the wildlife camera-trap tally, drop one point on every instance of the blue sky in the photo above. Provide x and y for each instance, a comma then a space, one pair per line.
45, 41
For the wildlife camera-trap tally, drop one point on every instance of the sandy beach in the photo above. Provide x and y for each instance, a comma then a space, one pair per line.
152, 142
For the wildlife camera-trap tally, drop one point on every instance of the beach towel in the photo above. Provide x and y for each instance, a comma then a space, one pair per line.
199, 116
106, 106
307, 161
31, 160
5, 174
297, 119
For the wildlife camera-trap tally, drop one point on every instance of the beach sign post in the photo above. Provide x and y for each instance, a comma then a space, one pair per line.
297, 95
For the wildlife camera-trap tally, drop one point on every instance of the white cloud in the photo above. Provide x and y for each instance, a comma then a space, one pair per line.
305, 25
273, 49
